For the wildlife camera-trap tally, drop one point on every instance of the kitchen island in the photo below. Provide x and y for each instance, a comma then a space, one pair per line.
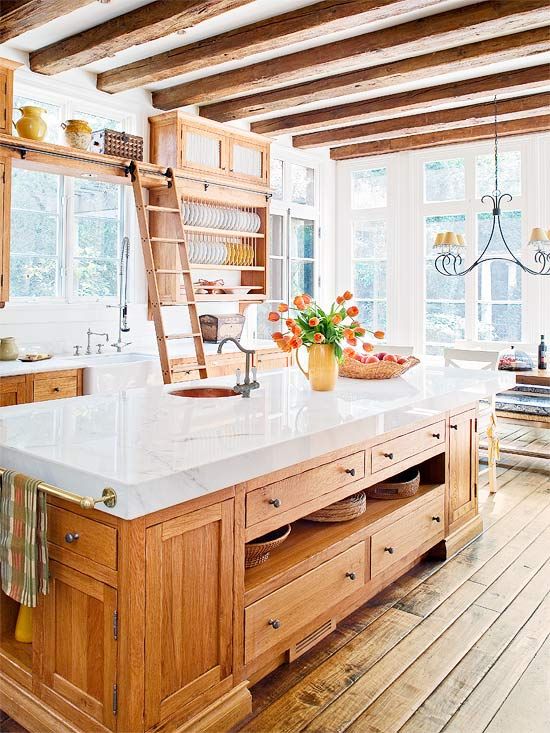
152, 622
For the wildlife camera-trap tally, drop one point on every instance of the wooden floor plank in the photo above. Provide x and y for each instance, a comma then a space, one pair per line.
527, 707
438, 708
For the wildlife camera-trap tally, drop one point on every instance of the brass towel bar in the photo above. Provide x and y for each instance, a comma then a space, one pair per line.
108, 496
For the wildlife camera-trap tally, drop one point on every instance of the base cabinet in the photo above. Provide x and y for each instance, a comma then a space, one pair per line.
462, 468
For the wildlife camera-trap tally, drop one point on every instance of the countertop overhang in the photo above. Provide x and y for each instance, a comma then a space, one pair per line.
157, 450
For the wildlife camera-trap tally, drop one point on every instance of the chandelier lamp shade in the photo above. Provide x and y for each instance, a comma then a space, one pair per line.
451, 246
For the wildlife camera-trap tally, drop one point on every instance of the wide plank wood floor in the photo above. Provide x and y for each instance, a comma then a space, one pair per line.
460, 647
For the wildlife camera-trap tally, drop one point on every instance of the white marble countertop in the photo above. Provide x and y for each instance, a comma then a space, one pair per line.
158, 450
61, 362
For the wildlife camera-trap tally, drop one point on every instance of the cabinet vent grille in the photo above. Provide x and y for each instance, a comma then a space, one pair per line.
310, 640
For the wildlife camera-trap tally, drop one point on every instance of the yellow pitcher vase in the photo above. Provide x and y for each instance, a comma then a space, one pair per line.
30, 124
322, 370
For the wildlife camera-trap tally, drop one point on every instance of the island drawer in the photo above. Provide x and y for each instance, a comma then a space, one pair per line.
423, 526
390, 452
276, 499
279, 616
55, 385
80, 536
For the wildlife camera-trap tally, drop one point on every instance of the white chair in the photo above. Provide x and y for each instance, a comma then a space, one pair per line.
487, 421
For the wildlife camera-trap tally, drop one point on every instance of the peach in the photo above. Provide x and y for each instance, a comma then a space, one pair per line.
372, 360
390, 357
402, 360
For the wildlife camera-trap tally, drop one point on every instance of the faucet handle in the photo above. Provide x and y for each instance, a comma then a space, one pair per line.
99, 348
254, 371
238, 376
77, 350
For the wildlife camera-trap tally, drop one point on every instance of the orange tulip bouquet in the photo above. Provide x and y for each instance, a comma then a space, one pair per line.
323, 333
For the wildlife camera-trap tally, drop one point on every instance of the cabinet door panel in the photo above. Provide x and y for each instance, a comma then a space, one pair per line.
203, 150
13, 391
462, 466
79, 644
189, 599
247, 160
5, 221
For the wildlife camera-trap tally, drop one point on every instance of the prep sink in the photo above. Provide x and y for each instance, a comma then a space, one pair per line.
114, 372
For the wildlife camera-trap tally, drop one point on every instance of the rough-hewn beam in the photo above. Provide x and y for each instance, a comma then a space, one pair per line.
521, 81
444, 137
20, 16
152, 21
445, 119
276, 32
436, 32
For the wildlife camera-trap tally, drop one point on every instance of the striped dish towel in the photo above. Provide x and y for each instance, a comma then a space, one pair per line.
23, 538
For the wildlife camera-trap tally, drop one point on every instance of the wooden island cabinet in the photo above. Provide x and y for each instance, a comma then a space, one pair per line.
153, 624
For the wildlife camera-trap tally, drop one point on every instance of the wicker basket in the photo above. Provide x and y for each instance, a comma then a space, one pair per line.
383, 370
121, 144
257, 551
399, 487
341, 511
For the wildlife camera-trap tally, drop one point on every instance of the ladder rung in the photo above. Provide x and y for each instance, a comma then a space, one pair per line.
167, 240
173, 272
169, 303
177, 336
166, 209
180, 368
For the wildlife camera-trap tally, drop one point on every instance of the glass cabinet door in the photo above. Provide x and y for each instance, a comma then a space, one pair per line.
248, 160
203, 150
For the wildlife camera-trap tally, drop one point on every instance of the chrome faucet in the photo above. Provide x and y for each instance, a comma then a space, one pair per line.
247, 386
91, 333
123, 296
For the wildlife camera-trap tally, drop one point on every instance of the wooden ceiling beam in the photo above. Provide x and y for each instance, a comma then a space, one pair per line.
434, 33
445, 119
521, 81
19, 16
147, 23
327, 16
521, 126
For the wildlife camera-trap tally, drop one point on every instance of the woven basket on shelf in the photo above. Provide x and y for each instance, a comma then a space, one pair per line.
399, 487
341, 511
383, 370
257, 551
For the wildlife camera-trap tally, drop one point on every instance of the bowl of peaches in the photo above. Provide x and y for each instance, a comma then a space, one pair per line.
380, 365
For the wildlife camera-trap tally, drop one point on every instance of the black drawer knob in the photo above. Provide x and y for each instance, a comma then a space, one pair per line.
454, 427
275, 502
436, 519
389, 455
436, 435
274, 622
71, 537
351, 575
351, 471
56, 389
389, 550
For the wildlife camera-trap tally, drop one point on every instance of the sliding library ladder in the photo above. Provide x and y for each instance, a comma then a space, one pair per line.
153, 268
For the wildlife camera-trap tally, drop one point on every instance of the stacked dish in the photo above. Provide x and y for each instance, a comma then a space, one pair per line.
209, 216
216, 252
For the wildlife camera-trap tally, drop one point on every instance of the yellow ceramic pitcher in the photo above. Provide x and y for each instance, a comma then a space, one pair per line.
322, 370
30, 124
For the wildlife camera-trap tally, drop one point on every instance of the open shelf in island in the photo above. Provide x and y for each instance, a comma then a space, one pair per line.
16, 651
312, 542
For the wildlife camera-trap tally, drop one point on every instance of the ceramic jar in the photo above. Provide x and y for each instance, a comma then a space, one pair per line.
30, 124
78, 134
8, 349
322, 370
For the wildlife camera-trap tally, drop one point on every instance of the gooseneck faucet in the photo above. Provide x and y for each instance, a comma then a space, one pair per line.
91, 333
247, 386
123, 296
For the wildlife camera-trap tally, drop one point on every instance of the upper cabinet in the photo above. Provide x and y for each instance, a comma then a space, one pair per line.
7, 68
208, 148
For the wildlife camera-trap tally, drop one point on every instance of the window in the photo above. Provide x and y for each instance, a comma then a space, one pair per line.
65, 236
293, 253
444, 180
368, 222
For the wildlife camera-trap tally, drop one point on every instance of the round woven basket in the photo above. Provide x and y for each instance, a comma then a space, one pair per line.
399, 487
383, 370
341, 511
257, 551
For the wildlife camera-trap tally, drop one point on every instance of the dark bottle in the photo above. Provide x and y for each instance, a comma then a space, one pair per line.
542, 354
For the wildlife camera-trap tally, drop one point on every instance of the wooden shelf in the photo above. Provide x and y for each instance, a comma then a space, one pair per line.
308, 539
235, 268
224, 232
17, 651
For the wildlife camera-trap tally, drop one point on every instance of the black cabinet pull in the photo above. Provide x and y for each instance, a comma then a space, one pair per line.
436, 435
389, 455
56, 389
274, 622
275, 502
436, 519
389, 550
351, 471
351, 575
71, 537
454, 427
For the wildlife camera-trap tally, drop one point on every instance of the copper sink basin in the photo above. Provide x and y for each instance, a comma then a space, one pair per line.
205, 392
